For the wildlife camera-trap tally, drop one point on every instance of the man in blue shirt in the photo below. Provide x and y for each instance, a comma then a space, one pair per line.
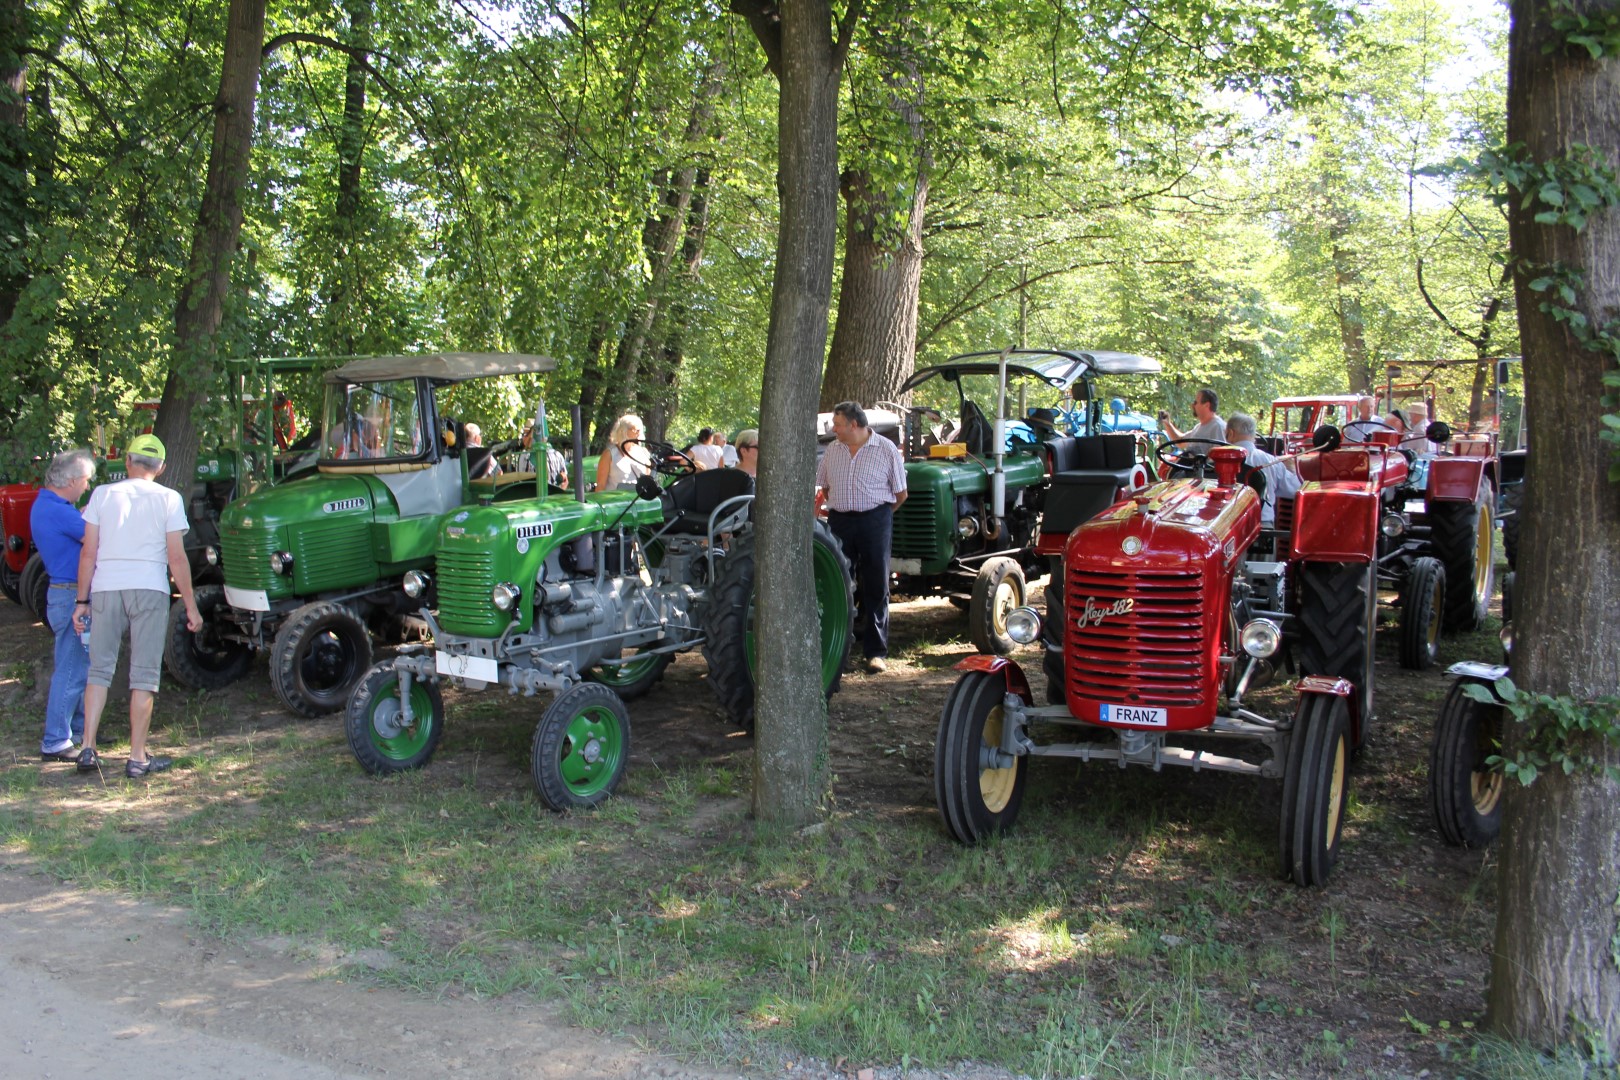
59, 534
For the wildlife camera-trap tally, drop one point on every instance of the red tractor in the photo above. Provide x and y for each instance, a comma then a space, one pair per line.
1171, 612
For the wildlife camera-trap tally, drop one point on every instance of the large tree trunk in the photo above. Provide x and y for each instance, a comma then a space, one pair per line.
347, 309
660, 398
1554, 976
790, 737
219, 224
14, 157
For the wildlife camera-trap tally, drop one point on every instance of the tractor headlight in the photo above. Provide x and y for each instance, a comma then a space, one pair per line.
15, 542
282, 562
1260, 638
211, 555
1392, 525
416, 583
967, 528
1024, 625
505, 595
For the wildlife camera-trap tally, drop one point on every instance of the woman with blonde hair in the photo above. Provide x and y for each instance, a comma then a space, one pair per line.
620, 464
747, 444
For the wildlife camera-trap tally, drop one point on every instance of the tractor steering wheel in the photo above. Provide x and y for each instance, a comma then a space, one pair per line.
1363, 425
1192, 461
667, 460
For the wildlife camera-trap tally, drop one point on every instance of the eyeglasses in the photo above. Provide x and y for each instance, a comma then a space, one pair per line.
749, 446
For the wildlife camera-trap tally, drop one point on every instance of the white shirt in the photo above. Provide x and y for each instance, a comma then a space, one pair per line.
134, 518
728, 455
1282, 482
624, 468
707, 455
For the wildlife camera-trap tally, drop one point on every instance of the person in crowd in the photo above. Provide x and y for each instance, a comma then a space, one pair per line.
556, 462
1361, 428
133, 543
728, 453
1210, 427
1417, 425
620, 464
58, 534
748, 451
1282, 482
705, 452
481, 466
283, 421
862, 480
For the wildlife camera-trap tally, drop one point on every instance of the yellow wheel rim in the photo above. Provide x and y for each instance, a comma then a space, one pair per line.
1482, 550
1484, 782
995, 785
1330, 834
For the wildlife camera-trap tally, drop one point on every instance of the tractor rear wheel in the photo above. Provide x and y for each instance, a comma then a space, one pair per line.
581, 747
1423, 598
1316, 786
1466, 793
1338, 610
204, 660
374, 722
728, 621
998, 588
1513, 510
35, 586
975, 800
633, 678
320, 654
10, 581
1461, 535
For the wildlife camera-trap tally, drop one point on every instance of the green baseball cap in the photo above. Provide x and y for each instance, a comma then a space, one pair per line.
147, 446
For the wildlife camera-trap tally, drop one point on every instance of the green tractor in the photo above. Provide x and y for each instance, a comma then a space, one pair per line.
315, 566
1032, 440
588, 597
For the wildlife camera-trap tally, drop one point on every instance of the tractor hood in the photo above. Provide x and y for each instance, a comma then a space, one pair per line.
315, 497
342, 531
1176, 525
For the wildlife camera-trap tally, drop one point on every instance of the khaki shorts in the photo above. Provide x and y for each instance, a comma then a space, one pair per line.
144, 614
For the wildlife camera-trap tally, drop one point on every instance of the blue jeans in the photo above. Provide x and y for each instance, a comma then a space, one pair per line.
64, 709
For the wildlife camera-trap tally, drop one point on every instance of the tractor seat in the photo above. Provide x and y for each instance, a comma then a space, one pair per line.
975, 431
690, 501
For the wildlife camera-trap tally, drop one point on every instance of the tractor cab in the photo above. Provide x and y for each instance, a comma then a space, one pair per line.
1295, 419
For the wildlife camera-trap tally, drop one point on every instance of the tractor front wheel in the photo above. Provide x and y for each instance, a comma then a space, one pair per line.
320, 654
998, 588
1315, 789
581, 747
1461, 534
35, 586
381, 738
1338, 610
976, 794
1466, 793
204, 660
1423, 598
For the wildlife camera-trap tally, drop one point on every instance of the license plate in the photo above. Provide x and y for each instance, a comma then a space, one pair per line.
1135, 714
247, 599
473, 668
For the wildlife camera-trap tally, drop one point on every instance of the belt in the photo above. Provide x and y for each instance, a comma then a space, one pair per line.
868, 510
64, 584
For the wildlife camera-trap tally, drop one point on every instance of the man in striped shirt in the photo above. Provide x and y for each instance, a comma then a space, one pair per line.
863, 477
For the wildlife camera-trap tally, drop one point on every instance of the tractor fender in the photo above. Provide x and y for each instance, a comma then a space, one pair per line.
1337, 687
1017, 681
1455, 479
1474, 671
1335, 522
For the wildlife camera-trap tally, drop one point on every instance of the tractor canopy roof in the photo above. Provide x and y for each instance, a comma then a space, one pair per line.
1057, 367
442, 368
1345, 400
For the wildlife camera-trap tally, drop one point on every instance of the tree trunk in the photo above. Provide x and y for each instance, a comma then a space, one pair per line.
1352, 327
790, 737
219, 224
346, 306
660, 400
1554, 975
15, 197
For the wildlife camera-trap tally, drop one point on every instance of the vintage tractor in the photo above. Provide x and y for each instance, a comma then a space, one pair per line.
589, 597
978, 487
1170, 616
1295, 420
316, 565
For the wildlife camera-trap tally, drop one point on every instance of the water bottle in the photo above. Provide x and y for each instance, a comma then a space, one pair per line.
84, 635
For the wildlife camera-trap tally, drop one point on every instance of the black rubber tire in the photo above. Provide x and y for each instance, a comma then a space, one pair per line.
10, 582
1509, 583
1052, 635
997, 589
1338, 611
370, 723
975, 803
319, 656
1513, 508
1465, 793
1316, 787
1460, 534
204, 661
582, 722
35, 585
1423, 599
728, 624
628, 688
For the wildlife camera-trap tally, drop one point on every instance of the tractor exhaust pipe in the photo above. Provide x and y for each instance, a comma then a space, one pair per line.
578, 419
998, 477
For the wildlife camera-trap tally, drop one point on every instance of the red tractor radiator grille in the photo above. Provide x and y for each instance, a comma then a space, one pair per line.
1136, 638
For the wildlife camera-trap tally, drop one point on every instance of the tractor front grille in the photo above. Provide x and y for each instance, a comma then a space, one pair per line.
915, 526
466, 579
1152, 655
333, 555
245, 555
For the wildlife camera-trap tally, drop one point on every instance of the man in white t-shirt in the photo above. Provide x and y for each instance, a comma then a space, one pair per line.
705, 452
133, 541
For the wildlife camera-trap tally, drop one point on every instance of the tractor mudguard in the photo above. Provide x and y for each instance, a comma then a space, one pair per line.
1455, 479
1335, 522
1017, 682
1335, 687
1474, 671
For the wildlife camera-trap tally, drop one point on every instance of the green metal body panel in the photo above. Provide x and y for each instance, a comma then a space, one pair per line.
330, 523
483, 546
925, 524
211, 466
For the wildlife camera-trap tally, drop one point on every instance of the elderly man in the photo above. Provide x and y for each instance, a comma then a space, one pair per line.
706, 452
863, 479
133, 542
1210, 428
1361, 428
58, 534
1282, 482
1416, 438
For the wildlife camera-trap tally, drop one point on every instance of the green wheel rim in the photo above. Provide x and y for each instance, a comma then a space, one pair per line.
391, 740
591, 750
617, 675
833, 608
